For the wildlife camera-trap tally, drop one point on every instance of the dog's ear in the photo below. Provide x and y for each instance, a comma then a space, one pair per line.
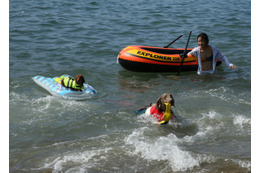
83, 80
77, 78
159, 103
172, 102
80, 78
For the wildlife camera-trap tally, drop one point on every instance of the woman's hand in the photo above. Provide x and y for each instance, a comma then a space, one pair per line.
233, 66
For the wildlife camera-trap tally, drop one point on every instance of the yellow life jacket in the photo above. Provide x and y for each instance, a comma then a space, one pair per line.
71, 83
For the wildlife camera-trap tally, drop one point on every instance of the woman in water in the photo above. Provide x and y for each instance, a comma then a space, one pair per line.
207, 55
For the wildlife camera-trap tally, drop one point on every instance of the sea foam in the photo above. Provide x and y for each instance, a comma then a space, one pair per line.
165, 148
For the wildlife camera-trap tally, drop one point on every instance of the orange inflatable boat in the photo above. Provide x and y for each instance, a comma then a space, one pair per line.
156, 59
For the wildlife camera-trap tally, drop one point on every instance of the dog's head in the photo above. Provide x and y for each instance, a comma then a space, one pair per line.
164, 98
80, 79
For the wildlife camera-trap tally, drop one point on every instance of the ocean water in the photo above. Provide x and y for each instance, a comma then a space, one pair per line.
213, 130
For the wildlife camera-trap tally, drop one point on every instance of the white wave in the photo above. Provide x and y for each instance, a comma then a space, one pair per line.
210, 121
14, 97
228, 95
222, 93
164, 148
208, 125
47, 100
211, 114
41, 104
49, 104
242, 163
241, 120
242, 123
75, 162
145, 118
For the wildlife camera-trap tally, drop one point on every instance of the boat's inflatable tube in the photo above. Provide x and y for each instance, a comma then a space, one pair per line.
156, 59
53, 86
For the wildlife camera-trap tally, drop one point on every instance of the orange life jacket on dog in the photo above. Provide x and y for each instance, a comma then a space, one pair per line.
156, 113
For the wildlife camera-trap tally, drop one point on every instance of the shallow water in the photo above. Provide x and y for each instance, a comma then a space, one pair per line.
103, 134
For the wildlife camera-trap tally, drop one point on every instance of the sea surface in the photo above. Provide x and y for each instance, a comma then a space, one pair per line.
212, 132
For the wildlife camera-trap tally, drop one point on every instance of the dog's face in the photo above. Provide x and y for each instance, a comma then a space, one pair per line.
80, 79
164, 98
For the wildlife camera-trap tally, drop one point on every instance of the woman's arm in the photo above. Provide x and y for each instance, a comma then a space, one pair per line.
222, 58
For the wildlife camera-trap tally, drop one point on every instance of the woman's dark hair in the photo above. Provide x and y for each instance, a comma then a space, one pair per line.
203, 37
